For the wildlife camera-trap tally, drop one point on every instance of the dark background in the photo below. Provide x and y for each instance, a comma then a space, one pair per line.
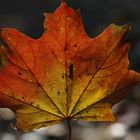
27, 16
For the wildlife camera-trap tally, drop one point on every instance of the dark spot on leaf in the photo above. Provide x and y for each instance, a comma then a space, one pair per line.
38, 84
63, 76
95, 117
71, 71
65, 49
69, 26
19, 74
75, 45
58, 93
79, 75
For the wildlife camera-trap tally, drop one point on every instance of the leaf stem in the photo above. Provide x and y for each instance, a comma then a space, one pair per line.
69, 129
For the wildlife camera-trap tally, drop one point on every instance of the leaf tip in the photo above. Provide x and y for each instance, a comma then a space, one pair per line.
117, 28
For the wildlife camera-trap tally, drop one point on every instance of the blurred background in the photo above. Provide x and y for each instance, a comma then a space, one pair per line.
27, 16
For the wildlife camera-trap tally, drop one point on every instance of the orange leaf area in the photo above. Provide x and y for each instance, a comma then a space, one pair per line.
64, 74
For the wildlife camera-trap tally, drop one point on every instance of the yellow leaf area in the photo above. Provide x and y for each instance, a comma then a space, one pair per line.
64, 74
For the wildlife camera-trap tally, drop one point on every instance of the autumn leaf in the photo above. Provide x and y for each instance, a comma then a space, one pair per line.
64, 74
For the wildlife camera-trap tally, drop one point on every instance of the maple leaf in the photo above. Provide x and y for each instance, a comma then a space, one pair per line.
64, 74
